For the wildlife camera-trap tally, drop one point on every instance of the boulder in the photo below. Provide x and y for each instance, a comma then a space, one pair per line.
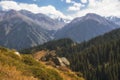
65, 61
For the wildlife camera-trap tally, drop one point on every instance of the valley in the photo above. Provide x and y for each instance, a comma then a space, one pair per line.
35, 46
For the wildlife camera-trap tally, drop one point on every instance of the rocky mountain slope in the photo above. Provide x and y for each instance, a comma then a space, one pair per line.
18, 31
44, 21
114, 19
86, 27
23, 29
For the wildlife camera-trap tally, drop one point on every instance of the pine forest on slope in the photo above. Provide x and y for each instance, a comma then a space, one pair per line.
97, 59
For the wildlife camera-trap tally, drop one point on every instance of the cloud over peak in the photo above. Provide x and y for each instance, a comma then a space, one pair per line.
101, 7
48, 10
73, 9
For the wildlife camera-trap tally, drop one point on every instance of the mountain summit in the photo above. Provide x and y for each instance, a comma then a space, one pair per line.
43, 20
86, 27
19, 31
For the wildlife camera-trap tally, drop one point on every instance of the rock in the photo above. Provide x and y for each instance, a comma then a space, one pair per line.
61, 61
58, 61
51, 56
65, 61
43, 58
17, 53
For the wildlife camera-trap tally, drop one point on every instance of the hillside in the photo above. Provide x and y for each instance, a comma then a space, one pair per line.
68, 43
97, 59
15, 66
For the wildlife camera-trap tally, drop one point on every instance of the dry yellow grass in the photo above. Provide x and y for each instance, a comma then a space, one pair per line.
10, 73
65, 73
39, 54
69, 75
14, 68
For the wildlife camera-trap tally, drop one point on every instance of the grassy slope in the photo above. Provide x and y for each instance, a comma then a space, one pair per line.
25, 67
65, 72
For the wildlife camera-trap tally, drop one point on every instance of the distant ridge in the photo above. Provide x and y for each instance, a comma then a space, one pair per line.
86, 27
23, 29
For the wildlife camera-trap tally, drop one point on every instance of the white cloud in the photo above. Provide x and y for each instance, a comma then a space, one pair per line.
75, 7
51, 11
48, 10
6, 5
103, 8
84, 1
68, 1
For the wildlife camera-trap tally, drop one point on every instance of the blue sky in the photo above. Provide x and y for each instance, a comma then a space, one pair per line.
60, 5
68, 9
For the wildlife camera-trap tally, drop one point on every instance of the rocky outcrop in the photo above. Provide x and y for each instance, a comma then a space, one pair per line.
61, 61
17, 53
50, 56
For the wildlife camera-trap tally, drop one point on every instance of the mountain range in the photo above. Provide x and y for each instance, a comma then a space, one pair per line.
85, 28
19, 31
23, 29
